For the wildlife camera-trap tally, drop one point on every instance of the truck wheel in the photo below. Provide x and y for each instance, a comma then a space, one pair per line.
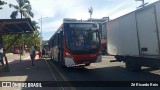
132, 66
156, 67
87, 64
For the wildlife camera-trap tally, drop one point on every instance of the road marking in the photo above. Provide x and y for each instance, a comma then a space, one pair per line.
54, 75
62, 77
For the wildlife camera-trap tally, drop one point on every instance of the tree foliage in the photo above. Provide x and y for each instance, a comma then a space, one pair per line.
33, 39
29, 39
23, 7
2, 3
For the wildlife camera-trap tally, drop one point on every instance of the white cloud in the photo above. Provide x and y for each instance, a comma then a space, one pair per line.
43, 7
6, 11
56, 10
74, 9
52, 26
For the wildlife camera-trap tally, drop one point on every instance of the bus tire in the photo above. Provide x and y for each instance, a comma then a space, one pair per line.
51, 57
61, 61
61, 64
87, 64
132, 65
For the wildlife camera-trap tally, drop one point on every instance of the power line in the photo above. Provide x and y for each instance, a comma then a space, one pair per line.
120, 7
123, 7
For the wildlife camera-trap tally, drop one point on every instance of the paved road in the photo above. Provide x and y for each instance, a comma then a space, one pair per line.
106, 71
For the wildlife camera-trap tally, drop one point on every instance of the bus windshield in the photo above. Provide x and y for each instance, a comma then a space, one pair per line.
82, 39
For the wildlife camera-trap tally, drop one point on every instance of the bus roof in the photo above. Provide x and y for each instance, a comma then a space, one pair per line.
68, 20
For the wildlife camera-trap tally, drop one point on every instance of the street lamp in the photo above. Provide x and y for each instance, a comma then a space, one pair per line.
41, 29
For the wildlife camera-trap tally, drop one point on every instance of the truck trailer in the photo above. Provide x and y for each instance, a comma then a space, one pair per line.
134, 38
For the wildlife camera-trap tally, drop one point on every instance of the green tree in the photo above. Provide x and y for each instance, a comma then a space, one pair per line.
7, 40
30, 38
36, 34
2, 3
34, 23
23, 7
33, 39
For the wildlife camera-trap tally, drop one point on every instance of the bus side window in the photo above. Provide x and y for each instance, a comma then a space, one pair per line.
52, 43
60, 39
55, 40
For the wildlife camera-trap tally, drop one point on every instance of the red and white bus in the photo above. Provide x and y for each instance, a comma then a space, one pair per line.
75, 43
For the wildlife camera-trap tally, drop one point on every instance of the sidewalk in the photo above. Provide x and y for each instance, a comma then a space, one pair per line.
24, 71
15, 58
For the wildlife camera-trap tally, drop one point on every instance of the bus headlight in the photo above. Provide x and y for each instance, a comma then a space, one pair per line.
100, 53
68, 55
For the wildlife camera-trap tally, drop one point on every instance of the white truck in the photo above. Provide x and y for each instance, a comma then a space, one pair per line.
135, 37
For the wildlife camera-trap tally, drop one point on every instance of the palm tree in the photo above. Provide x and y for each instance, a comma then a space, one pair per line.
34, 23
2, 3
33, 39
23, 7
36, 34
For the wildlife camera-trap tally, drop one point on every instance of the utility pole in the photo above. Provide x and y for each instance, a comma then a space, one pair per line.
41, 30
142, 3
41, 33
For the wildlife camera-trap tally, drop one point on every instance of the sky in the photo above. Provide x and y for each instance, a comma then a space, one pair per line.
53, 11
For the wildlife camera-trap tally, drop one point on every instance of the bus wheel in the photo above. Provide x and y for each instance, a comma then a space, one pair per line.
61, 63
51, 57
132, 66
87, 64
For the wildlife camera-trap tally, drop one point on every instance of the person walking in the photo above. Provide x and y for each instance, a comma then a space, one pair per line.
43, 53
1, 55
32, 54
40, 54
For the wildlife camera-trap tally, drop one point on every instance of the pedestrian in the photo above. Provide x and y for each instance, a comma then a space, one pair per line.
43, 52
1, 55
40, 54
32, 54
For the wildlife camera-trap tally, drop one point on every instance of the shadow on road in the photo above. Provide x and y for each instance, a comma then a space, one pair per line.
107, 74
112, 73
